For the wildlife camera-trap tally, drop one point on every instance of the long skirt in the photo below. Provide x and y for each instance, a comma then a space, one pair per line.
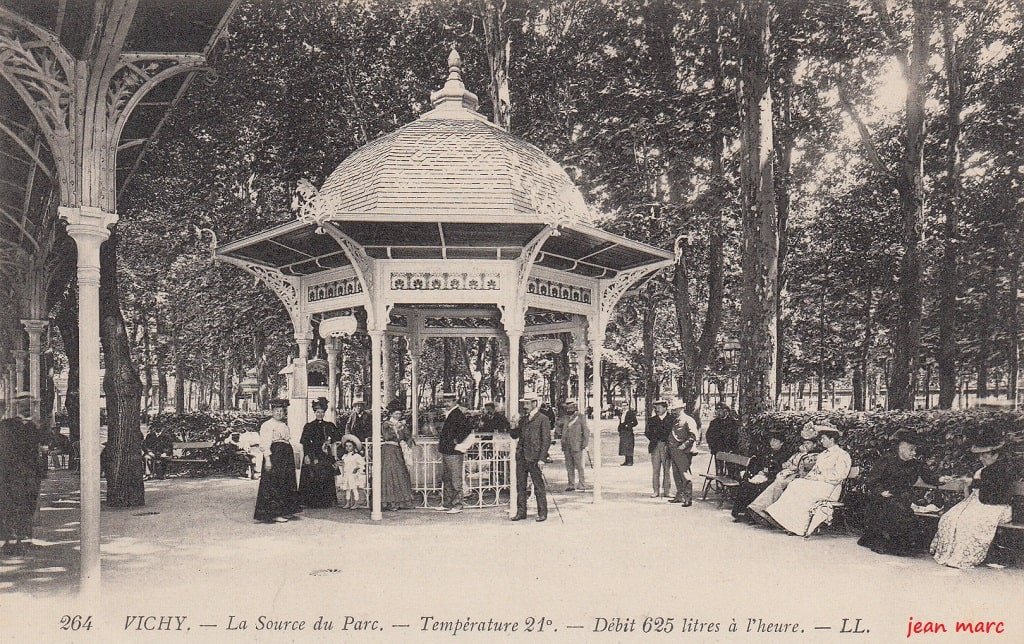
395, 482
800, 502
278, 495
19, 495
770, 495
966, 531
890, 526
316, 485
627, 443
745, 494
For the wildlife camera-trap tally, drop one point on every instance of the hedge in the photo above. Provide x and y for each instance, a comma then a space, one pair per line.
207, 426
946, 436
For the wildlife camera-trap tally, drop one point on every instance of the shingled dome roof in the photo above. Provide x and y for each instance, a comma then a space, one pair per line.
451, 164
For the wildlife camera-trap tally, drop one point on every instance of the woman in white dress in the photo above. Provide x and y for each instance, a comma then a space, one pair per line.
966, 531
800, 509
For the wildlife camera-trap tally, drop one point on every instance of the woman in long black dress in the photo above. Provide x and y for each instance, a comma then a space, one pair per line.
316, 482
627, 441
890, 526
277, 499
762, 469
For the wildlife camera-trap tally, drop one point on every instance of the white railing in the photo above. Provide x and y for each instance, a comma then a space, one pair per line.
486, 472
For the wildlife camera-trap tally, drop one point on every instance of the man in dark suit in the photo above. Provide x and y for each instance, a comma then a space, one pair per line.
534, 434
360, 423
456, 428
157, 448
658, 429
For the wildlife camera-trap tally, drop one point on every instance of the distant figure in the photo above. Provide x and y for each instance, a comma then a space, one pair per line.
21, 444
157, 448
723, 433
492, 422
627, 440
574, 441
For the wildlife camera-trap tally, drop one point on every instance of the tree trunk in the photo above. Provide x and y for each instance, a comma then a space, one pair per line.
147, 356
858, 383
498, 44
759, 218
650, 318
1013, 318
910, 185
67, 325
949, 284
784, 144
179, 376
122, 386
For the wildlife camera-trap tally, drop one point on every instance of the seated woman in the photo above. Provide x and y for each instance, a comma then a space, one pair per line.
890, 526
967, 529
796, 466
800, 509
760, 473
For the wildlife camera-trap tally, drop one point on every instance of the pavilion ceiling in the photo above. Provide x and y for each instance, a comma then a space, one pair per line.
29, 193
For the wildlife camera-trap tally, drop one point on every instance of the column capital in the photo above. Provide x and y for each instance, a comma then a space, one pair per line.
331, 347
34, 328
84, 217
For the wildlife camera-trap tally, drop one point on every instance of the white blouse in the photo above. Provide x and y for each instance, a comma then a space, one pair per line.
833, 466
273, 430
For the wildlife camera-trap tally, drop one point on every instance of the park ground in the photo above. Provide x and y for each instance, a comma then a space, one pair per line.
194, 551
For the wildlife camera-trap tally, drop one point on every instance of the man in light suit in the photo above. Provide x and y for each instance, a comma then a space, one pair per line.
574, 441
456, 429
534, 434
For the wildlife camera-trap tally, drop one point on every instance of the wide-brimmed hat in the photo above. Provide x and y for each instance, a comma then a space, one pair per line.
355, 440
828, 429
358, 401
320, 403
983, 446
660, 401
281, 403
529, 398
449, 395
570, 403
906, 436
809, 432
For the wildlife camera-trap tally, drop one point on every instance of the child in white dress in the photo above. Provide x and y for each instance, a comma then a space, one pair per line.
353, 472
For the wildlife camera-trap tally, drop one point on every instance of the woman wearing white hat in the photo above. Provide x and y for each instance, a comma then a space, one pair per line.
966, 531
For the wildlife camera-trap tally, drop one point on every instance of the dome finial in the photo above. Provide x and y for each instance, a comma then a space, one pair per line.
454, 93
454, 64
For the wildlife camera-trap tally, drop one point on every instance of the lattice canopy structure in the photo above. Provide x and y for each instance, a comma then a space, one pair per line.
86, 85
448, 226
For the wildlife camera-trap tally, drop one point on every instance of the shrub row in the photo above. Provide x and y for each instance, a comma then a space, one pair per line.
946, 436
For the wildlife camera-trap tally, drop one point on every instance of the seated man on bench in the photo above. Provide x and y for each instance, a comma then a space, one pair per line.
157, 449
248, 445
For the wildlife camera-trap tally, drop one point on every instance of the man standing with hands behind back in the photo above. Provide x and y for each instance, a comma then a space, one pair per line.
534, 434
456, 429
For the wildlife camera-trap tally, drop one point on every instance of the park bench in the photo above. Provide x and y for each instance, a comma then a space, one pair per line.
839, 505
192, 452
1012, 532
721, 479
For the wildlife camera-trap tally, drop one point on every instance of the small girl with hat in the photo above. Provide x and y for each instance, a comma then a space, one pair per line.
353, 471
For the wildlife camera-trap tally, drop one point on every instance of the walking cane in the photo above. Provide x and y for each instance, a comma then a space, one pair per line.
551, 498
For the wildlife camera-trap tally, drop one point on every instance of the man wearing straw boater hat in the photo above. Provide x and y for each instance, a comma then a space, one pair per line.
534, 434
21, 443
574, 441
455, 430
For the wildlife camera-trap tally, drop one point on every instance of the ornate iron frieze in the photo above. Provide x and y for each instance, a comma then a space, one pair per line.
559, 291
422, 281
336, 288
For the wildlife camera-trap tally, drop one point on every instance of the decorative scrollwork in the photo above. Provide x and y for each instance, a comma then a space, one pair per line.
615, 289
428, 281
559, 290
39, 69
286, 288
333, 289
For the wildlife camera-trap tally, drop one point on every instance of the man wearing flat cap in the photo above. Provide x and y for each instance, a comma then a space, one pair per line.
890, 526
21, 444
455, 430
534, 434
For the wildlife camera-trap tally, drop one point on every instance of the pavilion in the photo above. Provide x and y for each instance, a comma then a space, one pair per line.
448, 226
